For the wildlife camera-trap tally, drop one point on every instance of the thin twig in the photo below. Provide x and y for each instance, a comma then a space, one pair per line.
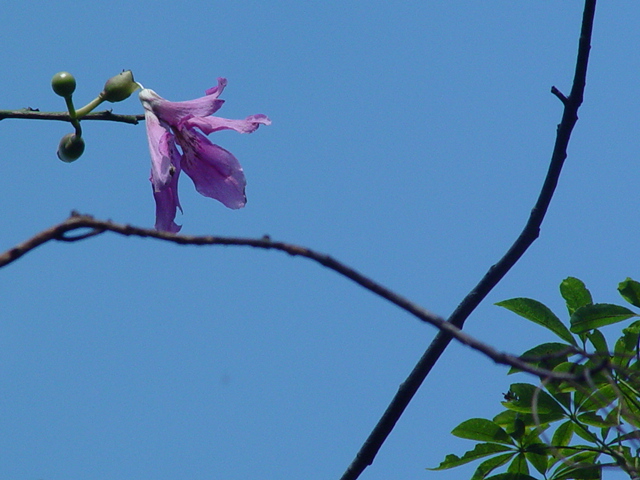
61, 232
559, 94
34, 114
529, 234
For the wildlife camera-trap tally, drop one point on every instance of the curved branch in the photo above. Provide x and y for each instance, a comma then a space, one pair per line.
61, 232
35, 114
529, 234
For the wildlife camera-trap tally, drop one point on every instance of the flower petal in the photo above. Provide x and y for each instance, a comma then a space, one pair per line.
173, 112
167, 204
217, 90
215, 172
162, 148
213, 124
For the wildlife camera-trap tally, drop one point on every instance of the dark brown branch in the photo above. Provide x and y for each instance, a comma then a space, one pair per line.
76, 222
529, 234
31, 114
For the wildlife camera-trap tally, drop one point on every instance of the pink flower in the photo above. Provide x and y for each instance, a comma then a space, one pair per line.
215, 172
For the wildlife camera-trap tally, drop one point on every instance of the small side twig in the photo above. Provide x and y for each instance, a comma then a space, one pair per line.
559, 94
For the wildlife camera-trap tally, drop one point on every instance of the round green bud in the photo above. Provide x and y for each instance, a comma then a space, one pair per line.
120, 87
70, 148
63, 83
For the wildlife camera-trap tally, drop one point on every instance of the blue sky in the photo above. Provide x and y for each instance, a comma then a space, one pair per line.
409, 140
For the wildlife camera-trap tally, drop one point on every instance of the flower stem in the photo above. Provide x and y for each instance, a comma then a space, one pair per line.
73, 115
89, 107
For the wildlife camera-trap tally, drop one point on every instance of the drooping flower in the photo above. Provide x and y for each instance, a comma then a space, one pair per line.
215, 172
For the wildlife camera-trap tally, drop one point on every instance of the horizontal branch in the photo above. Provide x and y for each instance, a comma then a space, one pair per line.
76, 222
35, 114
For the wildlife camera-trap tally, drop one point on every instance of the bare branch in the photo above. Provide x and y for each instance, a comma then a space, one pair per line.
529, 234
35, 114
77, 222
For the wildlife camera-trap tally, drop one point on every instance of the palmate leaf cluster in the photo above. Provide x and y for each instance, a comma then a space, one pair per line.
566, 429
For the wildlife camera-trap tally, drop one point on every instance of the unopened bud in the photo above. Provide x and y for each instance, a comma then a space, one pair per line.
120, 87
63, 83
70, 148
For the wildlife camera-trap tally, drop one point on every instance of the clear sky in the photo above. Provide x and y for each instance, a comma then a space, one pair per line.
409, 140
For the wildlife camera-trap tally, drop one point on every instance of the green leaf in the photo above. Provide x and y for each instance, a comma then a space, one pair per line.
481, 450
575, 294
562, 398
580, 471
518, 429
625, 349
532, 440
594, 420
593, 400
511, 476
450, 461
524, 395
482, 430
538, 313
545, 355
613, 419
507, 418
563, 434
486, 467
598, 315
561, 454
630, 406
630, 291
598, 341
633, 328
628, 456
571, 368
537, 456
635, 435
519, 465
582, 466
584, 433
631, 459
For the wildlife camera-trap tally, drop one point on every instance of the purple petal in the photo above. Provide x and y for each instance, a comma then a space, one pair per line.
162, 149
167, 204
173, 112
215, 172
217, 90
213, 124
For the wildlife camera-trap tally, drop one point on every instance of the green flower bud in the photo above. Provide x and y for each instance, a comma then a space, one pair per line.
63, 83
70, 148
120, 87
